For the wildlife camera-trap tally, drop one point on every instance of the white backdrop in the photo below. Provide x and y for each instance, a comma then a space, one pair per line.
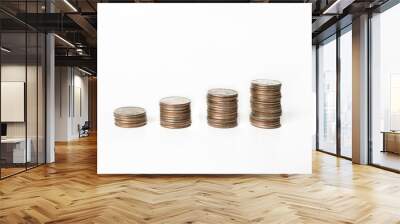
150, 51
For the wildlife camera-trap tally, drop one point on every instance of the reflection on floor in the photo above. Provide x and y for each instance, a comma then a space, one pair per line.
346, 152
11, 169
70, 191
387, 159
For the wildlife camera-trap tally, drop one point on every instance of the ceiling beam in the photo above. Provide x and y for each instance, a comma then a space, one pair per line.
337, 7
320, 22
83, 23
83, 61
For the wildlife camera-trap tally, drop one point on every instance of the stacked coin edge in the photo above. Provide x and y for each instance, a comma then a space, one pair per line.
130, 117
175, 115
222, 108
266, 108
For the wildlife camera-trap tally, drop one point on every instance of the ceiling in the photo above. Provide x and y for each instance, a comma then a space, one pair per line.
75, 22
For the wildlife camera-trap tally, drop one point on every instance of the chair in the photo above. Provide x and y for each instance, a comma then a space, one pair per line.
84, 130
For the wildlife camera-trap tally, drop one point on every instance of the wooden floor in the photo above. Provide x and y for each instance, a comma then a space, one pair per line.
70, 191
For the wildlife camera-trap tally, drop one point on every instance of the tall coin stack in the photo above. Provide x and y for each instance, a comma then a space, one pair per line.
222, 108
266, 108
175, 112
130, 117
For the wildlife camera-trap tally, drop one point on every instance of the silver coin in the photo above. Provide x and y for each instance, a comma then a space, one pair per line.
221, 92
129, 111
266, 82
175, 100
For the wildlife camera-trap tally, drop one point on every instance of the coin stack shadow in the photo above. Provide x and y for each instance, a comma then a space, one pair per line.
175, 112
222, 108
130, 117
266, 108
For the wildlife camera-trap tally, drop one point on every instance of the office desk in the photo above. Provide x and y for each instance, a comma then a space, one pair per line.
13, 150
391, 141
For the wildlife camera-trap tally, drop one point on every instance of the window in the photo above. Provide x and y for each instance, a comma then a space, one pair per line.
335, 74
22, 77
327, 96
346, 95
385, 89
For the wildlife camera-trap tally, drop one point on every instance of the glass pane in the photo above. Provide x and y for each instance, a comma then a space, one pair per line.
386, 89
327, 97
346, 94
13, 86
41, 99
31, 88
31, 100
23, 90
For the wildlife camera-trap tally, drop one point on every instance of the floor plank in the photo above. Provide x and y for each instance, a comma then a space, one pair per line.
70, 191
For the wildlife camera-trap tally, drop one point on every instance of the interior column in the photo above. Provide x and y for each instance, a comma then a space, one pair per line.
360, 90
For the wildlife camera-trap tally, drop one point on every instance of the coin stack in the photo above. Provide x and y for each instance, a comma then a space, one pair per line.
130, 117
175, 112
266, 108
222, 108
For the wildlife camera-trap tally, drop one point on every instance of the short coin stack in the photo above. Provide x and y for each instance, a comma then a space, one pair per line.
175, 112
266, 108
222, 108
130, 117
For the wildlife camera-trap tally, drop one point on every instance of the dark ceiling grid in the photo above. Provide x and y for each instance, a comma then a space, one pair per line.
78, 24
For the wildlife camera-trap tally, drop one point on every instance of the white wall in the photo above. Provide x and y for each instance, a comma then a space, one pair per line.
69, 82
80, 109
200, 52
61, 103
12, 73
16, 73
